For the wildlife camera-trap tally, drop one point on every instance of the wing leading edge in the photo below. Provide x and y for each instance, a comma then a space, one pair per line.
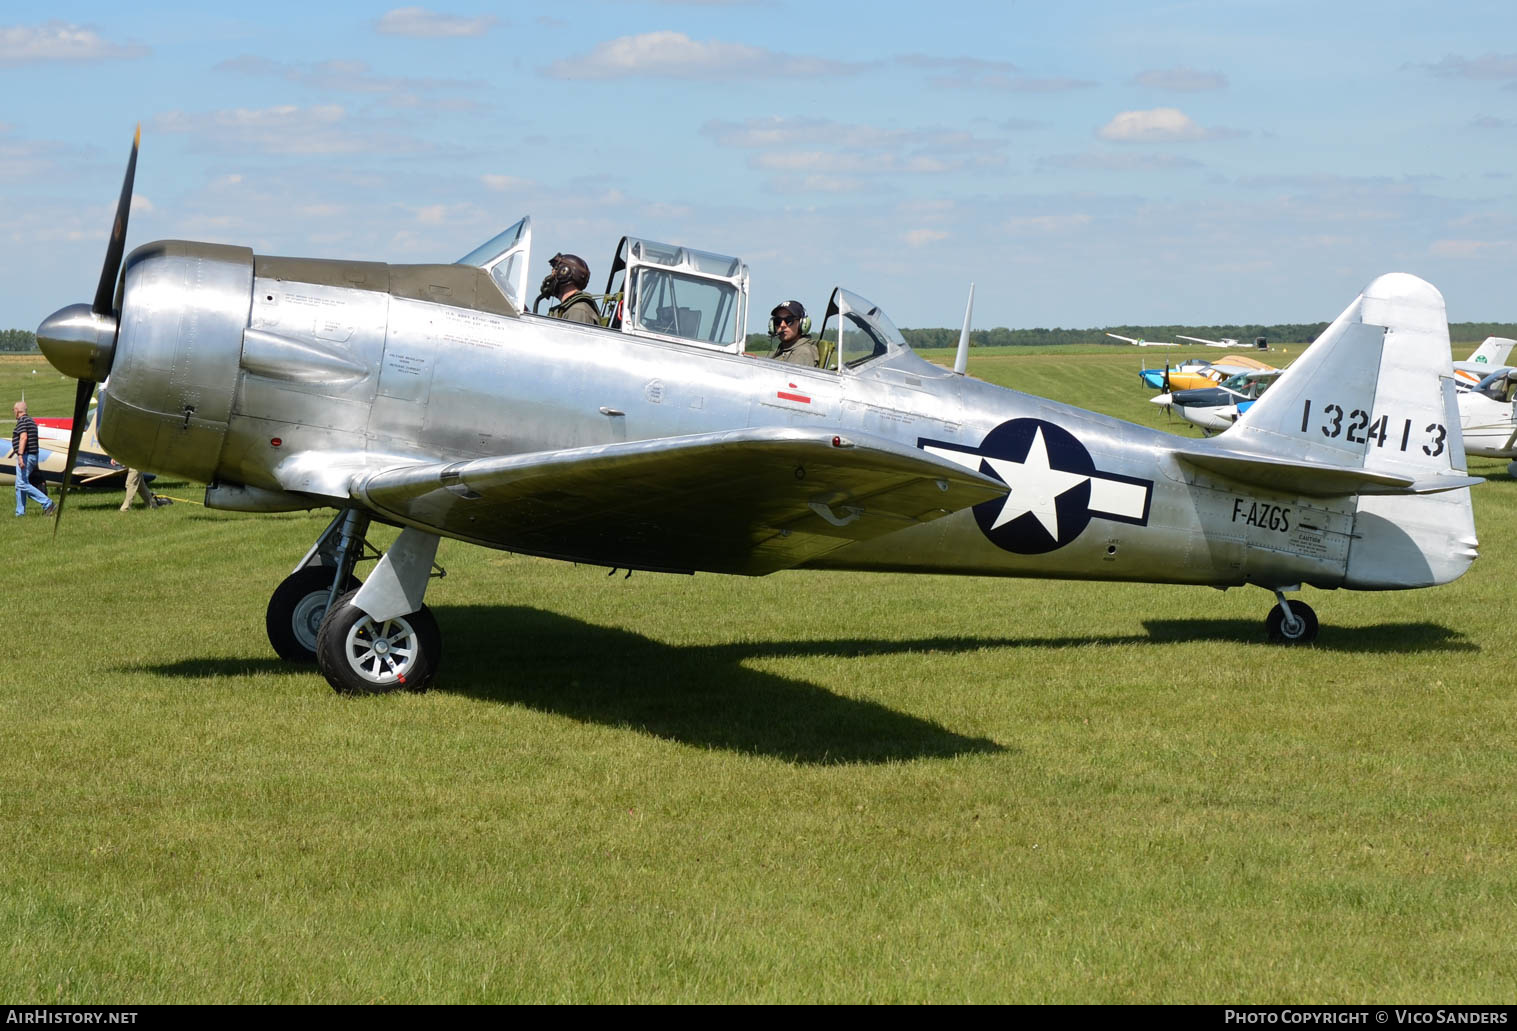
746, 501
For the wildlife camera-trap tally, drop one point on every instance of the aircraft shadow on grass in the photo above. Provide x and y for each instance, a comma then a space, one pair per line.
704, 695
1382, 638
701, 695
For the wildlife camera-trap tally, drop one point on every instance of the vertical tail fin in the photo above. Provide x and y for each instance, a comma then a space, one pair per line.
1493, 352
1374, 398
1374, 392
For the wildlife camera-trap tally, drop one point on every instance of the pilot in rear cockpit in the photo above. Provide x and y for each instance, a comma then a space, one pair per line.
791, 330
567, 283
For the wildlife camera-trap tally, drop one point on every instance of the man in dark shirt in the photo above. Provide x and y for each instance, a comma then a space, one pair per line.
24, 450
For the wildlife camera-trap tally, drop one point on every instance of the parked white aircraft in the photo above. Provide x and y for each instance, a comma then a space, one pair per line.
1490, 355
1488, 416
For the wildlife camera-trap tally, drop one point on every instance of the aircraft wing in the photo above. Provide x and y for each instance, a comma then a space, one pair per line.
1203, 340
743, 501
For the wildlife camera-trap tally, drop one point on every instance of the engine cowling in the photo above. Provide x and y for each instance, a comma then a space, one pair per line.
173, 377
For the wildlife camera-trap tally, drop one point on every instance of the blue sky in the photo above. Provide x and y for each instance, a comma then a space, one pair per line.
1084, 164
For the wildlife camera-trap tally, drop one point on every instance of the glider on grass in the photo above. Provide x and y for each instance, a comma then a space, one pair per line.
430, 398
1142, 343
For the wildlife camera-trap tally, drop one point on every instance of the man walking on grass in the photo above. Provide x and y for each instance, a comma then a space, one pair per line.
24, 448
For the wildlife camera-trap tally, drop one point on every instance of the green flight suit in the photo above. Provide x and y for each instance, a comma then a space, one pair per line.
577, 307
802, 352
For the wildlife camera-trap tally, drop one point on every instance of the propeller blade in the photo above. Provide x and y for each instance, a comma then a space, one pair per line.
105, 293
81, 412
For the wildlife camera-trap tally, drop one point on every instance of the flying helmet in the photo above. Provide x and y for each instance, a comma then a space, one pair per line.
568, 270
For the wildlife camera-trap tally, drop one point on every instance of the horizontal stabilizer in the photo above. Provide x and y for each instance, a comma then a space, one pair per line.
1316, 479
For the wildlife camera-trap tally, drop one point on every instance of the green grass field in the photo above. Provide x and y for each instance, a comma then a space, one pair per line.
807, 787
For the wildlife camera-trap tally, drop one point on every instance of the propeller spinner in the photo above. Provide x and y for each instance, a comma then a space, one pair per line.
80, 340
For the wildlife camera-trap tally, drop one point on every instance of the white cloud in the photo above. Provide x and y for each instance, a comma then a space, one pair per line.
829, 156
357, 76
1113, 162
1473, 248
813, 161
674, 55
506, 183
59, 41
1159, 125
36, 159
1489, 68
979, 74
284, 129
1181, 79
820, 184
922, 237
1051, 224
420, 23
661, 209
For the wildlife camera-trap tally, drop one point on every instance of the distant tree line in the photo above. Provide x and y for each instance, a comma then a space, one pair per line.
12, 340
1281, 333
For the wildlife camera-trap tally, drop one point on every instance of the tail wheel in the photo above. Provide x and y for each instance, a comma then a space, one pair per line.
296, 610
360, 656
1300, 630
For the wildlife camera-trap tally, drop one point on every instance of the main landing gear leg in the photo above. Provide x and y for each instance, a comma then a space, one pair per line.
300, 602
1291, 622
381, 637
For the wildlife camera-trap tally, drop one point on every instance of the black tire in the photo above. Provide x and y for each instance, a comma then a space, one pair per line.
359, 658
1305, 632
296, 610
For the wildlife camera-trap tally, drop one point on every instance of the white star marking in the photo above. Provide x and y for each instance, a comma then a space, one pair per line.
1035, 486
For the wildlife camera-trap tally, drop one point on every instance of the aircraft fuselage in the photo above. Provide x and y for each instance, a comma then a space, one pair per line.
292, 375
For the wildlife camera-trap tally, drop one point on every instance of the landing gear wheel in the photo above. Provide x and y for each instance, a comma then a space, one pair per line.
296, 610
359, 655
1282, 631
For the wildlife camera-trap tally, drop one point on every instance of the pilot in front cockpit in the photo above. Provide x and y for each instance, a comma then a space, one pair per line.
791, 330
567, 283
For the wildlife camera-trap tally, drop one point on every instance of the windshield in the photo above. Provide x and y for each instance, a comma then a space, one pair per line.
689, 307
496, 245
1498, 386
859, 329
505, 256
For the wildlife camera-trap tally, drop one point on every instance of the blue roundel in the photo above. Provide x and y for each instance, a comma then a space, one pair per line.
1061, 503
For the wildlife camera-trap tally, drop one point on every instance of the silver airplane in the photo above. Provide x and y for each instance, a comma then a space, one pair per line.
428, 397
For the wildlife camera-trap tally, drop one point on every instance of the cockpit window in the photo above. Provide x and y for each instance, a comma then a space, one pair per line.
859, 341
495, 246
1499, 386
505, 258
688, 307
858, 330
